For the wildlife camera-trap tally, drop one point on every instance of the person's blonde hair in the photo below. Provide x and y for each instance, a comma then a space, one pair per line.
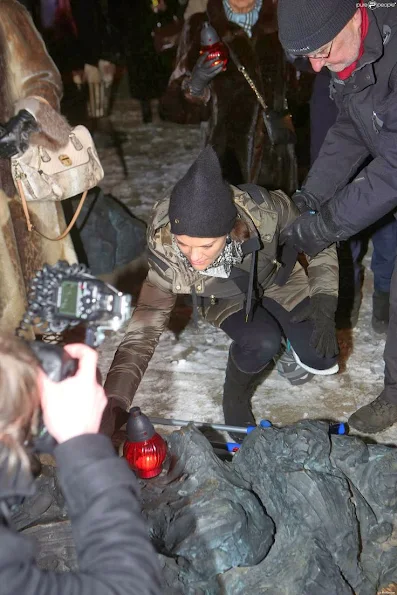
19, 399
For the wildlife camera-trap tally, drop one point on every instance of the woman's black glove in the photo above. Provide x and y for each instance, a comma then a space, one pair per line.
321, 312
14, 135
203, 73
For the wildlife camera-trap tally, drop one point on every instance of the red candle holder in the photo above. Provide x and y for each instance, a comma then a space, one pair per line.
144, 449
211, 44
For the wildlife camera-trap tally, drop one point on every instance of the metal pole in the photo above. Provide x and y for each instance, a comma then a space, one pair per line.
161, 421
334, 428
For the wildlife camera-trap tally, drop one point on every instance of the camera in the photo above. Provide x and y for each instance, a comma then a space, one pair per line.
61, 297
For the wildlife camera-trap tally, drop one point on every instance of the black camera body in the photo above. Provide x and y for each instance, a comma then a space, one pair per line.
62, 296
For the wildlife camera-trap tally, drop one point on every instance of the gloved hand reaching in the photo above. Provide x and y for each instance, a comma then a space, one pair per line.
309, 234
203, 73
321, 312
14, 135
305, 201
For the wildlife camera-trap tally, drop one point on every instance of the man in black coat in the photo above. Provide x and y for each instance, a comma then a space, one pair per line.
383, 234
148, 71
359, 46
113, 550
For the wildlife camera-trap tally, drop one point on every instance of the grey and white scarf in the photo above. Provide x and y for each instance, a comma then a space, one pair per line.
231, 255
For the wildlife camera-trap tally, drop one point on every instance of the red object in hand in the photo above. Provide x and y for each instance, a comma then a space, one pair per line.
211, 43
218, 51
145, 450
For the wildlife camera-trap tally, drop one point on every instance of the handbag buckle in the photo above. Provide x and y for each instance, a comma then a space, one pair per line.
18, 172
65, 160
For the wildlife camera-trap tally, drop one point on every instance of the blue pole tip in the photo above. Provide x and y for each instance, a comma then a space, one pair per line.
339, 429
250, 428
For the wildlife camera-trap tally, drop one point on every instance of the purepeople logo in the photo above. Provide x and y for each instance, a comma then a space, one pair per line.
372, 4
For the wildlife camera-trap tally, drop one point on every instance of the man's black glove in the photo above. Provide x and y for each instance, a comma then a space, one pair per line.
305, 201
14, 135
308, 234
203, 73
321, 312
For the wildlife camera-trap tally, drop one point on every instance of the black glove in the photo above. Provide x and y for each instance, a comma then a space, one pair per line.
321, 312
14, 135
305, 201
203, 73
308, 234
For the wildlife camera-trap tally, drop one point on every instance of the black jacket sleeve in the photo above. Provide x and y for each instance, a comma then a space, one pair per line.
368, 198
341, 155
114, 553
373, 193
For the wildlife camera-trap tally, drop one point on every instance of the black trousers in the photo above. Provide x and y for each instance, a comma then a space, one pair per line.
257, 341
390, 354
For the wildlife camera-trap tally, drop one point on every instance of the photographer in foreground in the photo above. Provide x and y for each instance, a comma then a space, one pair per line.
114, 553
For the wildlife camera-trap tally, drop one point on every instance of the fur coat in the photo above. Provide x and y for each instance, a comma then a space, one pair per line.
234, 123
27, 72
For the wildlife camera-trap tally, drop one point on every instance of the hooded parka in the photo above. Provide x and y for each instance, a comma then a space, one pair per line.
266, 215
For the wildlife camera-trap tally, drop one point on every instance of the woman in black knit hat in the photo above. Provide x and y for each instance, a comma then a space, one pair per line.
220, 244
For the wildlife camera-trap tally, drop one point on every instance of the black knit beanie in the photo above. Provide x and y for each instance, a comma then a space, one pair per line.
306, 25
201, 203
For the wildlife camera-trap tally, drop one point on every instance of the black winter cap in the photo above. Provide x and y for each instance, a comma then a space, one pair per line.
306, 25
201, 203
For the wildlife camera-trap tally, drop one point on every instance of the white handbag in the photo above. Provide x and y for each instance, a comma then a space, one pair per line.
45, 175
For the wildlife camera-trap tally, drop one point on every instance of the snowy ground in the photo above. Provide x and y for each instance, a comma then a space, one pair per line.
185, 377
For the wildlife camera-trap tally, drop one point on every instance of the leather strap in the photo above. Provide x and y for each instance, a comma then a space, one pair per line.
41, 99
32, 228
243, 71
247, 77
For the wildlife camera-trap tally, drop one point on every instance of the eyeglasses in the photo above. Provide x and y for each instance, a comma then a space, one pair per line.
322, 53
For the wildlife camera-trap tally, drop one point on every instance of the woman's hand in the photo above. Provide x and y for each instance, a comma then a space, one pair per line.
321, 312
203, 73
14, 135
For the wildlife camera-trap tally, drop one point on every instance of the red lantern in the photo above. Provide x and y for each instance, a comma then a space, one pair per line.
144, 449
211, 43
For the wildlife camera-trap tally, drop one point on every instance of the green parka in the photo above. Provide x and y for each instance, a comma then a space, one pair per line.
266, 214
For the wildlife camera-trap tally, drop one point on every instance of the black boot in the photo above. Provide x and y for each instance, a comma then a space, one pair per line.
146, 110
237, 392
380, 311
375, 417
